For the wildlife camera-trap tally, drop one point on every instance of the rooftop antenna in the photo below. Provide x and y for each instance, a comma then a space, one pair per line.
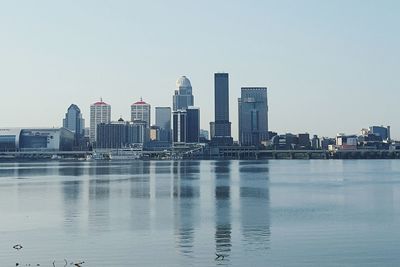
141, 99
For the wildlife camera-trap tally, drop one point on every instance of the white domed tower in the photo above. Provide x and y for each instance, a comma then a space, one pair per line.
183, 97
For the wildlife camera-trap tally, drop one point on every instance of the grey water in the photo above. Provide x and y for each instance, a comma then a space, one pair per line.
183, 213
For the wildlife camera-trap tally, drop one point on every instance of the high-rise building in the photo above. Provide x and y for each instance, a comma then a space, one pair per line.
75, 123
183, 97
100, 112
221, 105
179, 119
192, 125
138, 132
121, 134
163, 121
112, 134
141, 111
253, 116
221, 134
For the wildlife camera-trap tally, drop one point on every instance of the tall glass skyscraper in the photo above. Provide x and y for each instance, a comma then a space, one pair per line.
74, 122
163, 121
253, 116
193, 125
221, 132
179, 119
183, 97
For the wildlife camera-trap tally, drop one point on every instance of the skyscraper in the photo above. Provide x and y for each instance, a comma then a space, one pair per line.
183, 97
141, 111
74, 122
163, 121
221, 127
179, 119
192, 125
100, 112
253, 116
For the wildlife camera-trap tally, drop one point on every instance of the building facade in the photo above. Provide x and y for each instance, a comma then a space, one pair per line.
100, 112
221, 105
163, 121
112, 135
36, 139
383, 132
179, 119
121, 134
74, 122
192, 125
253, 116
183, 97
141, 110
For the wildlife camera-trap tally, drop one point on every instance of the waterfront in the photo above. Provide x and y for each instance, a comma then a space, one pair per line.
180, 213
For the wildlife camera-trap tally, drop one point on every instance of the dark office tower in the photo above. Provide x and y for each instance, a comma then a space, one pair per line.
221, 132
183, 97
112, 135
193, 125
253, 116
74, 122
304, 141
179, 126
221, 104
163, 122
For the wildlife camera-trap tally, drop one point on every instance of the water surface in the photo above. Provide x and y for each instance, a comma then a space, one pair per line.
181, 213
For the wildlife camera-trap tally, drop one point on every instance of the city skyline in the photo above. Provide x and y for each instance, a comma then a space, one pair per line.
329, 67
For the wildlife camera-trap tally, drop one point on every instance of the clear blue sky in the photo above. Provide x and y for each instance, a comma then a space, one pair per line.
330, 66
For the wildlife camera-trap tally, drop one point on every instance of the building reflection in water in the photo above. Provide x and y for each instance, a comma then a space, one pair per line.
140, 179
186, 193
254, 204
99, 194
223, 228
139, 172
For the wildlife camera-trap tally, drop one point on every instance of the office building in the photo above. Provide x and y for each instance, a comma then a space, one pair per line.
348, 142
192, 124
179, 119
112, 135
163, 121
221, 127
383, 132
182, 97
121, 134
315, 142
100, 112
141, 110
253, 116
75, 123
138, 132
221, 105
304, 141
154, 133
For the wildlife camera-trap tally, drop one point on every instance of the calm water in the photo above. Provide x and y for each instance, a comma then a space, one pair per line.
165, 213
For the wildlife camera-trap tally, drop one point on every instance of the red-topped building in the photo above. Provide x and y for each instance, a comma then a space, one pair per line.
141, 110
100, 112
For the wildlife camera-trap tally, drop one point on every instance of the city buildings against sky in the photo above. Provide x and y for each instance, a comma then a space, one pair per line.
323, 62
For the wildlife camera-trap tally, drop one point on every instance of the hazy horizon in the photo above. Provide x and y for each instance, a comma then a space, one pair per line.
329, 66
